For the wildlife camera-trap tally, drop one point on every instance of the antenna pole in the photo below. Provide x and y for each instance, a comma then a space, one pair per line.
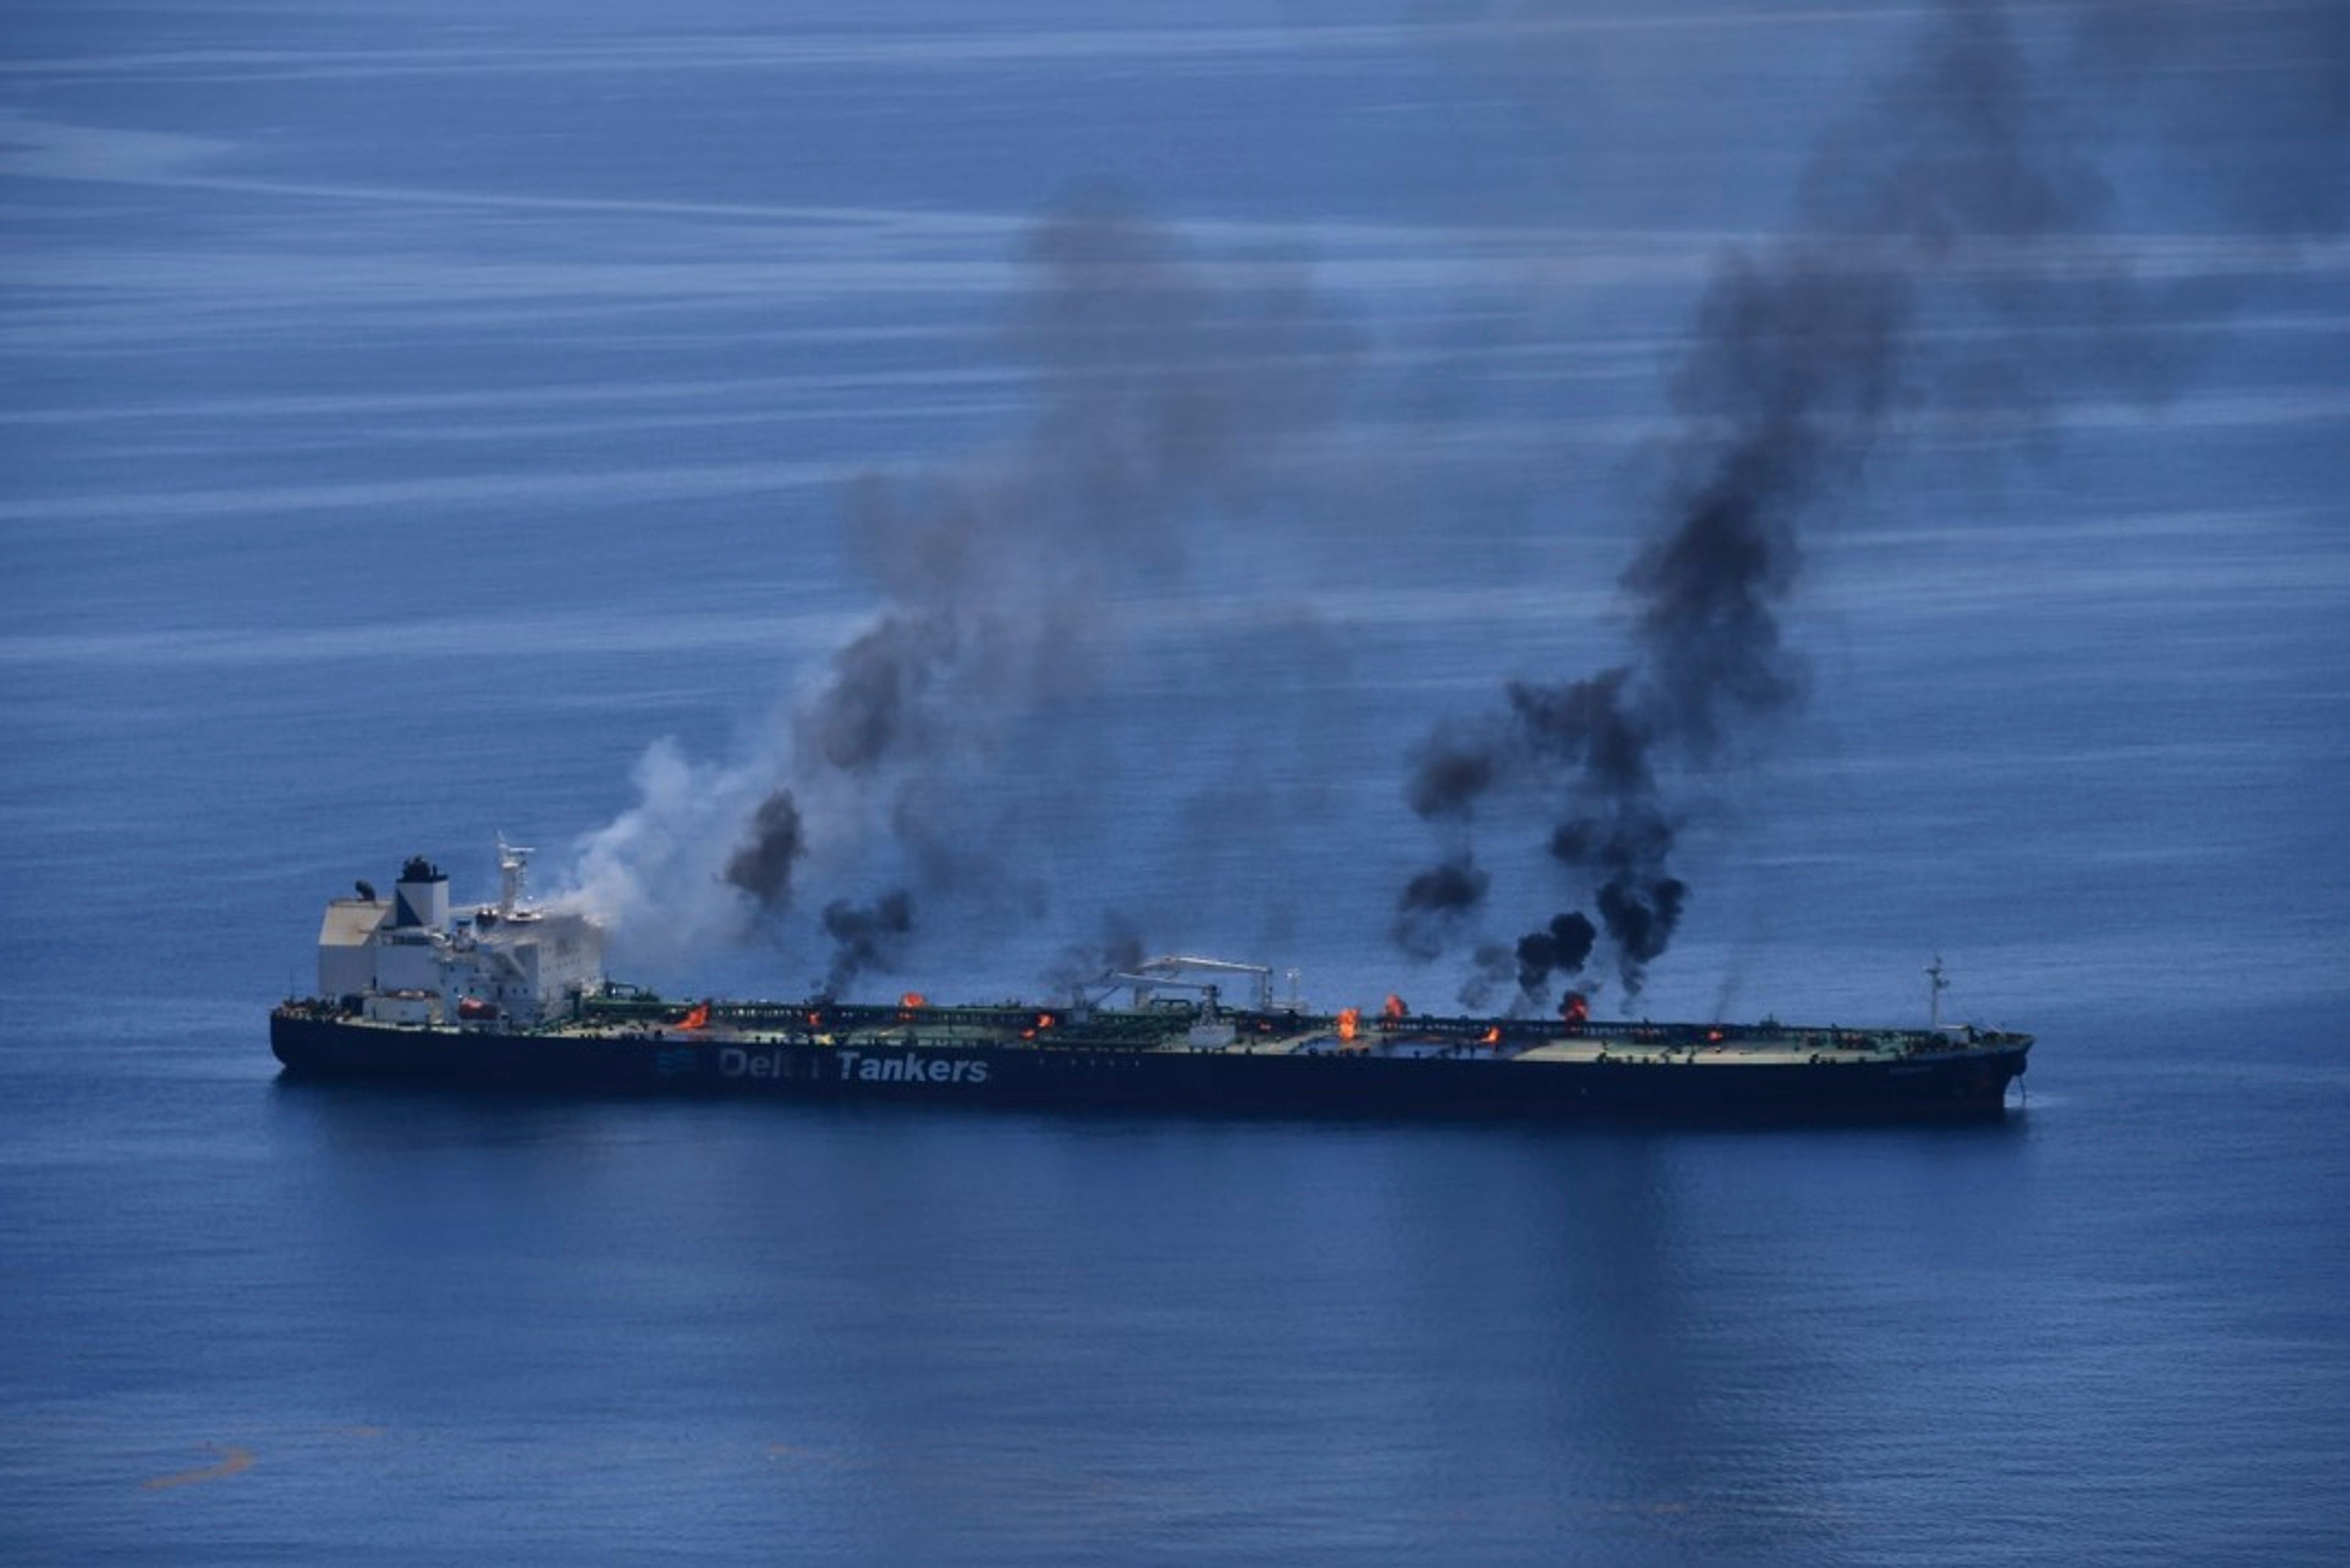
514, 866
1936, 982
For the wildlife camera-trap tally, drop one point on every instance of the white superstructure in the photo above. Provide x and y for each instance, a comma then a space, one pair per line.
410, 959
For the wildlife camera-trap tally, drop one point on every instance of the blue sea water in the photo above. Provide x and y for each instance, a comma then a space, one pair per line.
413, 414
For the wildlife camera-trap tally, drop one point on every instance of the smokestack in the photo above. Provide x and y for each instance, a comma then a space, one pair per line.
421, 898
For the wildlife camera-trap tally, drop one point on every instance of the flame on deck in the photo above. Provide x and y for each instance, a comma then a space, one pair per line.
1395, 1011
1575, 1008
697, 1019
913, 1001
1349, 1022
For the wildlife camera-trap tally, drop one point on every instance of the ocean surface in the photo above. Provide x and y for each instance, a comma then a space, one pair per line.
427, 421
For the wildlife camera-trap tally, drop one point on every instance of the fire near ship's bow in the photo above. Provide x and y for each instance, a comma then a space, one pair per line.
510, 996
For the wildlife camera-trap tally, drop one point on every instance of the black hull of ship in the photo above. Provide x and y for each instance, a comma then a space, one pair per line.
1972, 1085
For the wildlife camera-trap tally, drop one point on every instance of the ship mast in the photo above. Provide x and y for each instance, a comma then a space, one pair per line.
1936, 982
514, 867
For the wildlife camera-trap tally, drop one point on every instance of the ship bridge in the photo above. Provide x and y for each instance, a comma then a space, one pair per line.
411, 958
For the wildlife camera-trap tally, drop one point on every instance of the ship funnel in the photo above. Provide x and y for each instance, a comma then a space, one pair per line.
421, 896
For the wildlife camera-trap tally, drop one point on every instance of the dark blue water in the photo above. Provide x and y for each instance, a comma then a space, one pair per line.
410, 419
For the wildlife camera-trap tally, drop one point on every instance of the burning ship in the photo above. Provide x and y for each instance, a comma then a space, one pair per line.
512, 996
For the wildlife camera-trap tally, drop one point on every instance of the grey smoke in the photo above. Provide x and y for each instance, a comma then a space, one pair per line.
933, 751
1162, 397
1165, 393
1495, 971
1117, 950
2267, 150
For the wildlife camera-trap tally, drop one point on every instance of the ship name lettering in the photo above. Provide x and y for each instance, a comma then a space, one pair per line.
909, 1068
735, 1063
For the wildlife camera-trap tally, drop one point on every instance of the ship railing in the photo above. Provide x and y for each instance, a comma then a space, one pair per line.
820, 1017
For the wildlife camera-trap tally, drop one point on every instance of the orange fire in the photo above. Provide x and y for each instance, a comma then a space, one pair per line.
1349, 1022
1492, 1036
1395, 1011
697, 1019
912, 999
1046, 1021
1575, 1008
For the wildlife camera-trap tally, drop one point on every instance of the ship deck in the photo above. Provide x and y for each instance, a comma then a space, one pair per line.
1281, 1035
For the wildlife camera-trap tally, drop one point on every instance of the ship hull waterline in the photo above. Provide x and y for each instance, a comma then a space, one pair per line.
1962, 1086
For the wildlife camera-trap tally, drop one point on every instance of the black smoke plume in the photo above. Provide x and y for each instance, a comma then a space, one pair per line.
1559, 949
865, 937
1434, 904
1802, 349
771, 847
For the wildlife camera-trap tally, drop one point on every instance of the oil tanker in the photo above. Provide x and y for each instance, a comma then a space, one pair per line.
512, 996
